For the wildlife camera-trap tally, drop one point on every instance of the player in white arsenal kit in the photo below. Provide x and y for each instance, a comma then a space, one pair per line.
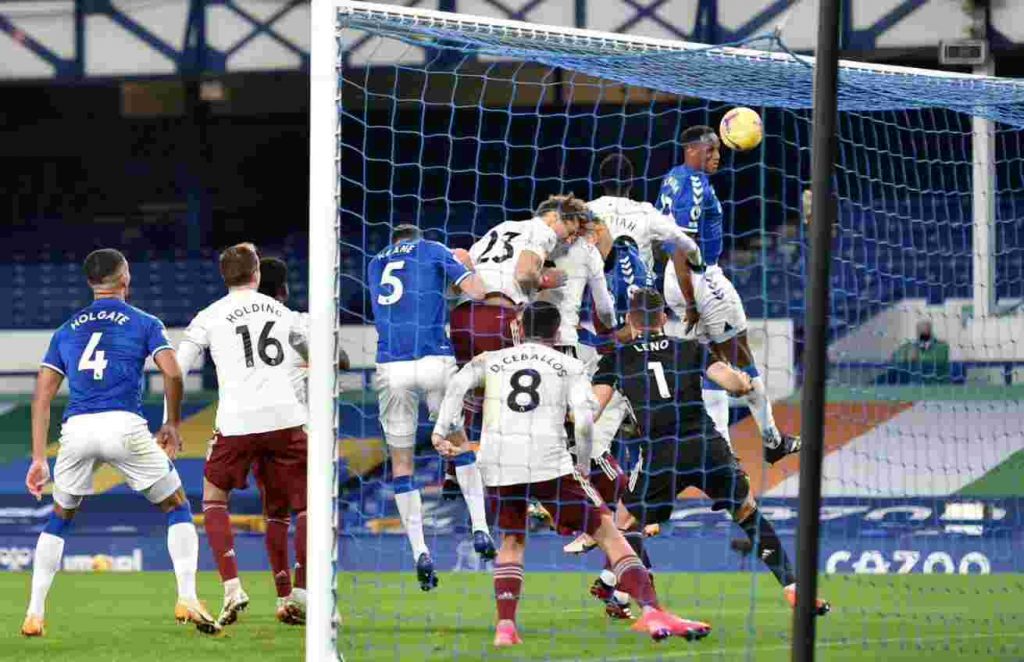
583, 267
252, 339
509, 259
640, 221
528, 391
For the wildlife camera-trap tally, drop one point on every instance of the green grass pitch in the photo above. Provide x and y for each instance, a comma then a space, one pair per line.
108, 617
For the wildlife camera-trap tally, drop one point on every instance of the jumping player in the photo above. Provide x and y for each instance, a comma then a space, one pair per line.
640, 221
101, 351
661, 378
253, 340
510, 259
716, 311
584, 269
528, 390
407, 281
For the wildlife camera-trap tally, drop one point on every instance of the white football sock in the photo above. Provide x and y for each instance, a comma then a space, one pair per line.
183, 546
472, 485
232, 586
410, 509
609, 578
49, 549
716, 403
761, 409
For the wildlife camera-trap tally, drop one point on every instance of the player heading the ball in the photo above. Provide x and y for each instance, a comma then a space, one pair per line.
528, 390
101, 351
716, 313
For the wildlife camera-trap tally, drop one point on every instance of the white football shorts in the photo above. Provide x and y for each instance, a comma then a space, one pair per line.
721, 312
400, 384
118, 438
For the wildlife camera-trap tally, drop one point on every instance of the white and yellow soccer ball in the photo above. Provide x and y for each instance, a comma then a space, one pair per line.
741, 129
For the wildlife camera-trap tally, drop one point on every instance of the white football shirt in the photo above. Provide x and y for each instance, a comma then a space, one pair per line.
583, 266
640, 221
496, 254
527, 390
247, 334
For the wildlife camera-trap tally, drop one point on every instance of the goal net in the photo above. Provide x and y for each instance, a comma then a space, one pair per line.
455, 124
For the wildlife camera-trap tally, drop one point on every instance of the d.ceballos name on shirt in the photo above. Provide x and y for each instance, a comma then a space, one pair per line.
250, 308
546, 359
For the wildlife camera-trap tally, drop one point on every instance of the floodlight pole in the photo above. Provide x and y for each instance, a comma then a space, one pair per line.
823, 209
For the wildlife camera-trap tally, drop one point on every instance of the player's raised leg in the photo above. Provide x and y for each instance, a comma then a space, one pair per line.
398, 399
736, 350
472, 485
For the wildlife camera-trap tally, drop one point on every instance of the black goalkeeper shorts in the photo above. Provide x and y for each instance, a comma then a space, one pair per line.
668, 466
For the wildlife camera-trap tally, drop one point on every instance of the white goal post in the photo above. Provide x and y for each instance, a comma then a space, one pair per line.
324, 238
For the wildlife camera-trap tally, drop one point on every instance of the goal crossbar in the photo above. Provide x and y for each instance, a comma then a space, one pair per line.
776, 78
372, 16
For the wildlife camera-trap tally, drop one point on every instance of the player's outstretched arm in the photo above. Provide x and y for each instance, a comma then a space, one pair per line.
665, 230
583, 406
174, 392
47, 383
528, 272
473, 287
683, 271
602, 395
449, 416
736, 382
604, 304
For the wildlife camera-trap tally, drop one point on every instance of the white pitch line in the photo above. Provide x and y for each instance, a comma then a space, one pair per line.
783, 647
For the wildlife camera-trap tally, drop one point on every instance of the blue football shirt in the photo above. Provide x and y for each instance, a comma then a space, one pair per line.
690, 198
101, 351
407, 290
625, 272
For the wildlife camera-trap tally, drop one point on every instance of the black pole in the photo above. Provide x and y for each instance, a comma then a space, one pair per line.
823, 210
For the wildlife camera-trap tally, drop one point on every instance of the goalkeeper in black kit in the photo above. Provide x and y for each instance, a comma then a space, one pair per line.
660, 376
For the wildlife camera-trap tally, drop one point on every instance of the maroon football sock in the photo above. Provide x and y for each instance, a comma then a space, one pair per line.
508, 583
217, 523
277, 551
635, 580
300, 550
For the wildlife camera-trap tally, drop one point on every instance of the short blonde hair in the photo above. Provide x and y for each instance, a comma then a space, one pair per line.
239, 263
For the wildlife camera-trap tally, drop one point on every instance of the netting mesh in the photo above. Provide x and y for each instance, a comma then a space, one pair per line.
455, 126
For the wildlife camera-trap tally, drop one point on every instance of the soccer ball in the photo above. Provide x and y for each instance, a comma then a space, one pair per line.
741, 129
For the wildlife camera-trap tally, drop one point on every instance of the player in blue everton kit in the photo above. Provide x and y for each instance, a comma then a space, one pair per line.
715, 310
101, 351
408, 280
